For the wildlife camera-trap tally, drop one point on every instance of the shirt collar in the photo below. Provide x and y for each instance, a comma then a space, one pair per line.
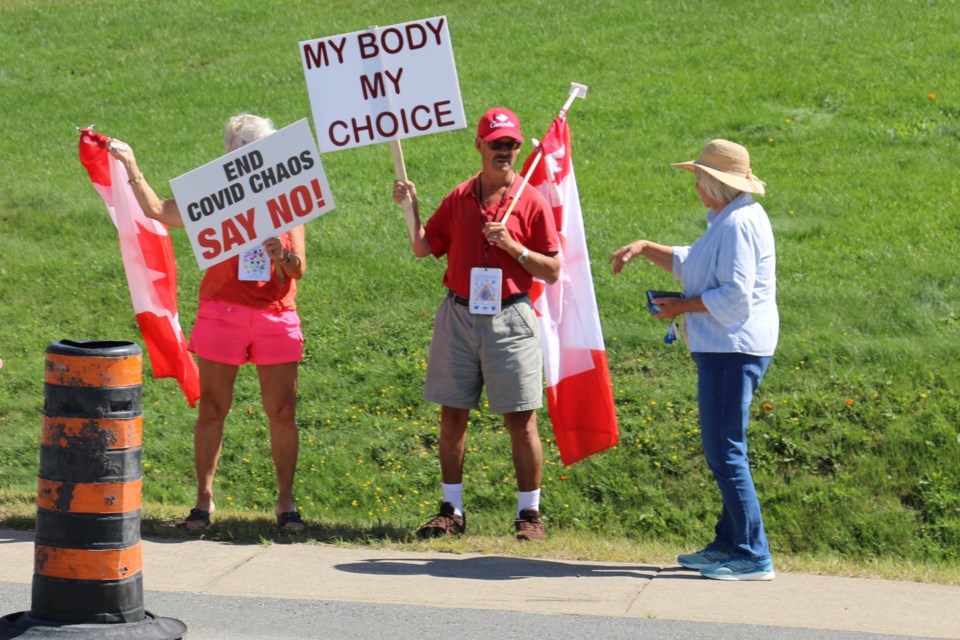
741, 200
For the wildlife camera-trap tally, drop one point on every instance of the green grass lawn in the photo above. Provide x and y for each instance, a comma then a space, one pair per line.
851, 112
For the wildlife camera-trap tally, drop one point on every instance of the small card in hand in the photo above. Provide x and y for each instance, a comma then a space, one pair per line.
653, 295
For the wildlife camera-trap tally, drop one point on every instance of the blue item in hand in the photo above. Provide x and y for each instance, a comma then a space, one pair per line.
653, 295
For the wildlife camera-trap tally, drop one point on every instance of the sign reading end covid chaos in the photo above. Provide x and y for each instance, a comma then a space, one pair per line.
383, 84
260, 190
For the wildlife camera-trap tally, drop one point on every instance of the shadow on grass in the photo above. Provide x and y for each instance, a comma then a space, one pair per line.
261, 530
240, 530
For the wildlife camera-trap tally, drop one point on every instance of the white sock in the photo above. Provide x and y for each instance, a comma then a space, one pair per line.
453, 493
528, 500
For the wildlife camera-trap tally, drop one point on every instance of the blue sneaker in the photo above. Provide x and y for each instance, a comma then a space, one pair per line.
706, 557
739, 568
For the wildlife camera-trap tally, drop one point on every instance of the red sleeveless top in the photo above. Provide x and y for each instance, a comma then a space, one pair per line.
222, 283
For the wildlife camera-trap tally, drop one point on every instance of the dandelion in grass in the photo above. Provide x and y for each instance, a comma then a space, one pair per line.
932, 96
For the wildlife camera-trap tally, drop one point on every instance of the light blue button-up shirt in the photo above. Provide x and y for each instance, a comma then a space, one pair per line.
732, 267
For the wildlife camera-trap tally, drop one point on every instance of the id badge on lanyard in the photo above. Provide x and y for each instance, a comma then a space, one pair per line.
485, 286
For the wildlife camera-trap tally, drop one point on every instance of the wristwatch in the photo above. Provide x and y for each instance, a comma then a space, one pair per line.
523, 255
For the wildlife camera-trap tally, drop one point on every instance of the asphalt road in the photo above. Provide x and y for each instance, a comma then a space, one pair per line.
244, 618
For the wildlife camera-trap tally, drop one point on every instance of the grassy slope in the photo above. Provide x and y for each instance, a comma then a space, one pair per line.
850, 111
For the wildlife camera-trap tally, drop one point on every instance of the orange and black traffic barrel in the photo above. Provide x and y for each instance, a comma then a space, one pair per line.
87, 551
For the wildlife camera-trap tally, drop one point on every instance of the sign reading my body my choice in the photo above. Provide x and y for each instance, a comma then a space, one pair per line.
382, 84
262, 189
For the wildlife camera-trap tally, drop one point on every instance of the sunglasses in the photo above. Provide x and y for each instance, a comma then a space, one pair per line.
504, 145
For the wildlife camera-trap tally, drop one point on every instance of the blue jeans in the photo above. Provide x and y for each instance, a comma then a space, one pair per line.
726, 383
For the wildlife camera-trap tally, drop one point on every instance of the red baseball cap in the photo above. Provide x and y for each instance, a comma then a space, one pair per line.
499, 123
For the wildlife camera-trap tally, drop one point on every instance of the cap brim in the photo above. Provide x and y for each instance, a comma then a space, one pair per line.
496, 134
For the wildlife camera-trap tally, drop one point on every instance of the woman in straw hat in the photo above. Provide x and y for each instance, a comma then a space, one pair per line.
731, 326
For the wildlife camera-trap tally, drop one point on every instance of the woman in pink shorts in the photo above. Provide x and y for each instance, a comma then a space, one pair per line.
246, 314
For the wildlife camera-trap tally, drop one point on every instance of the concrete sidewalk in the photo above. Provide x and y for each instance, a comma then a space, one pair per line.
469, 581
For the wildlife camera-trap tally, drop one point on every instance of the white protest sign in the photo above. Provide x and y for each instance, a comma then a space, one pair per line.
262, 189
383, 84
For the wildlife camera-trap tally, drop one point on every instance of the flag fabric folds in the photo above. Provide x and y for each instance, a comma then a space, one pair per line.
150, 268
579, 392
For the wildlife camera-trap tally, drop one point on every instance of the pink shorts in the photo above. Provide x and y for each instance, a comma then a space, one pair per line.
236, 334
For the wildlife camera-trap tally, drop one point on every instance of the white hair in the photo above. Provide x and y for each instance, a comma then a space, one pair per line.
245, 128
717, 189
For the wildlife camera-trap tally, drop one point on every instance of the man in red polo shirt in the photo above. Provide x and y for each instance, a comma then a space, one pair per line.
485, 331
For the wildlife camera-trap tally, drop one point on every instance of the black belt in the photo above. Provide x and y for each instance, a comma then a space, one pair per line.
506, 302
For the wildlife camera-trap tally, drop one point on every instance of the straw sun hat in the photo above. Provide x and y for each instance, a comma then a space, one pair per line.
729, 163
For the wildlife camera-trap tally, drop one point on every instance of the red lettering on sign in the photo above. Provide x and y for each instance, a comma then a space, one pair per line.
392, 40
279, 210
246, 221
436, 29
397, 40
441, 122
387, 124
232, 235
301, 200
207, 240
318, 192
316, 55
368, 45
374, 87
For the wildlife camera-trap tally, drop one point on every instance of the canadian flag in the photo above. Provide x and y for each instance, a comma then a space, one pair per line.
579, 393
148, 261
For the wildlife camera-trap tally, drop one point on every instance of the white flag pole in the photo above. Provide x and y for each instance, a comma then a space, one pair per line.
400, 170
577, 90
